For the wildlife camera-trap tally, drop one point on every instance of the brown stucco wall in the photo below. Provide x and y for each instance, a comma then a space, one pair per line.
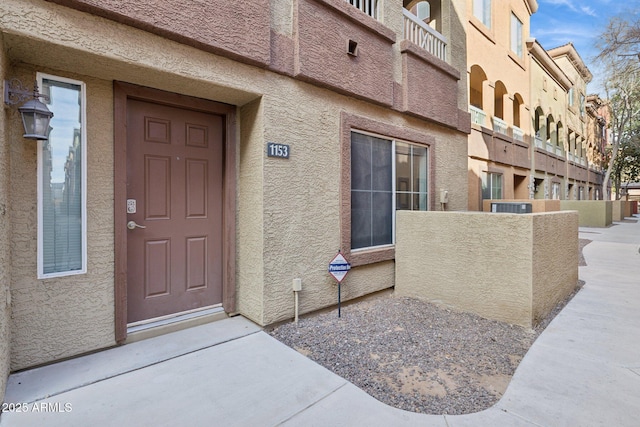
502, 257
427, 84
238, 29
5, 231
321, 55
62, 317
593, 213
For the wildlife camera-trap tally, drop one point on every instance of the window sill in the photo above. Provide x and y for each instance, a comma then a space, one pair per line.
486, 31
371, 256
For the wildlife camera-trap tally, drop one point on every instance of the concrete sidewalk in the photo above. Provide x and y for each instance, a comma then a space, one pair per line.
584, 370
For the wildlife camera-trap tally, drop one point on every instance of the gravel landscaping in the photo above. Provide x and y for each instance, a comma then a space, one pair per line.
415, 355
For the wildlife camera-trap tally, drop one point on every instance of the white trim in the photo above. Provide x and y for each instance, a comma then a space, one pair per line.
83, 119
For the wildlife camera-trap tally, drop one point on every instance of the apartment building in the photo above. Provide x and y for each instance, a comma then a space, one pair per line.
530, 121
499, 99
201, 156
583, 152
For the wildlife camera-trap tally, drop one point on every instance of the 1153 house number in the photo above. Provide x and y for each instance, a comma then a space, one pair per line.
277, 150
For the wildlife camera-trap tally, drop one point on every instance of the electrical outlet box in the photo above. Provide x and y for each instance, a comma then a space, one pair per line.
444, 196
297, 285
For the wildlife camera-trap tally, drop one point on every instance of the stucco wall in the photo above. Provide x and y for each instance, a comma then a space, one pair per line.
302, 212
250, 229
501, 256
555, 260
620, 209
289, 215
5, 231
62, 317
593, 213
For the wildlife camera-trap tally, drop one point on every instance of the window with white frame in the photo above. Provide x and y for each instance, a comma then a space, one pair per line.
62, 180
491, 185
386, 175
482, 11
516, 35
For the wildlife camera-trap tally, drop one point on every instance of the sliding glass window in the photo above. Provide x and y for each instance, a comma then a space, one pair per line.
62, 244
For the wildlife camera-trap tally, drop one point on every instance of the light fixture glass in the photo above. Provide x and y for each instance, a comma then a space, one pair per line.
35, 119
35, 114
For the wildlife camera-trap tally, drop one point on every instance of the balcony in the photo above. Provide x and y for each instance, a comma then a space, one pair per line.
478, 116
559, 151
423, 35
370, 7
539, 142
499, 125
518, 134
550, 147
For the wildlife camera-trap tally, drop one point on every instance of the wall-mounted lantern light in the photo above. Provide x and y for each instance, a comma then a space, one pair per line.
35, 114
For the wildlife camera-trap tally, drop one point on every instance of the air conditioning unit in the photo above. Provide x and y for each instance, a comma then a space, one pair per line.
518, 208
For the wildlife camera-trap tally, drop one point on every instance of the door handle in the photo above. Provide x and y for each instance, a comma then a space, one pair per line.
132, 225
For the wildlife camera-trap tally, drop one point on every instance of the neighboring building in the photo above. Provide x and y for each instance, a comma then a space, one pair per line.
165, 115
549, 88
499, 99
529, 137
584, 172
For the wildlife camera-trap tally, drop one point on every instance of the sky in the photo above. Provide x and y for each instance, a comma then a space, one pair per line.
558, 22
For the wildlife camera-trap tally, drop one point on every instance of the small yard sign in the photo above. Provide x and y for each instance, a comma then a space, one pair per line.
338, 268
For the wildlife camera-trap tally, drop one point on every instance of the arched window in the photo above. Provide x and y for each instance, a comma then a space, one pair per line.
476, 81
517, 105
427, 11
560, 138
498, 100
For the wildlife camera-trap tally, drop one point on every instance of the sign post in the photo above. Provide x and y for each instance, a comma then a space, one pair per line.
338, 268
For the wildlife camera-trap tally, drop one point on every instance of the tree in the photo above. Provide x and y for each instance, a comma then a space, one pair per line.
620, 57
626, 167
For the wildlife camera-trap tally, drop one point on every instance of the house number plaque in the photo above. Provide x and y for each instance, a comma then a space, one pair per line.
278, 150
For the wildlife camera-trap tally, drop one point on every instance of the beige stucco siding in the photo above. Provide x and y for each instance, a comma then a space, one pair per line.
250, 229
289, 218
301, 195
61, 317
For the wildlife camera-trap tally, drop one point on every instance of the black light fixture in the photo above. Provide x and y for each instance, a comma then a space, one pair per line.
35, 114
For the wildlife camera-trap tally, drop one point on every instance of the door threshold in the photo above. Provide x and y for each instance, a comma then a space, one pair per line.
175, 322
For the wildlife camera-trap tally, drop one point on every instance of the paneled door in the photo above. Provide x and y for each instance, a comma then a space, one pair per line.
174, 209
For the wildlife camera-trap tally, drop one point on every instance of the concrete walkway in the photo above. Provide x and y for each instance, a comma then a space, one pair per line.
584, 370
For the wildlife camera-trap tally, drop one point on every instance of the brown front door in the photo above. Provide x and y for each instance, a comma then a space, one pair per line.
175, 171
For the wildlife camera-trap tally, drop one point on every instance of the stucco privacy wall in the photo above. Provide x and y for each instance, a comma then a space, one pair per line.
5, 231
593, 213
620, 209
555, 260
487, 263
61, 317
